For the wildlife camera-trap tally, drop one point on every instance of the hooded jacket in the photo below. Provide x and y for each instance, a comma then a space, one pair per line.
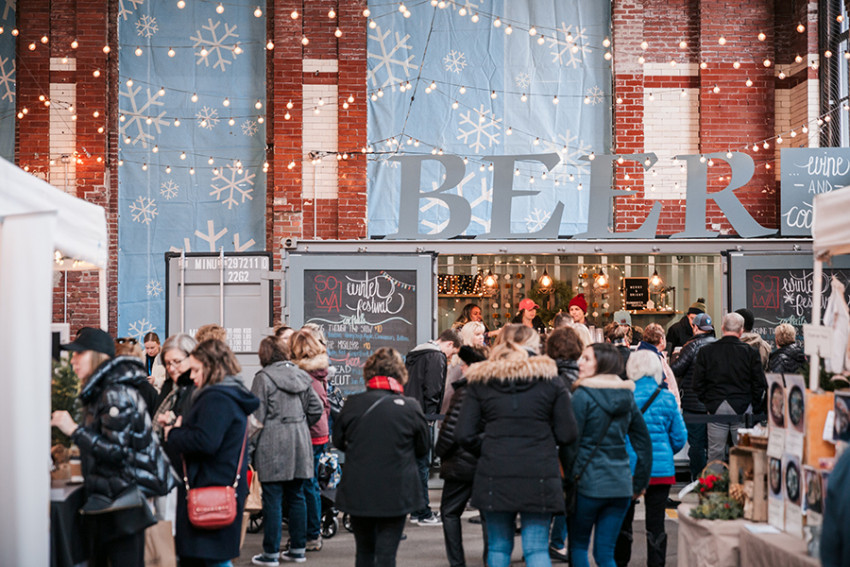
317, 368
426, 376
758, 343
666, 429
515, 414
568, 371
679, 333
116, 440
456, 463
607, 475
787, 359
288, 407
210, 442
683, 369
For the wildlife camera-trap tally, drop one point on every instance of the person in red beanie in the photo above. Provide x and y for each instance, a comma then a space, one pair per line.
578, 309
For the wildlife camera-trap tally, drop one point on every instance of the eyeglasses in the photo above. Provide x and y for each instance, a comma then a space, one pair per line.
129, 340
175, 362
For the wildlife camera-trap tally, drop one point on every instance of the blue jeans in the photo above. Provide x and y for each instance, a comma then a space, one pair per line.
606, 514
313, 497
535, 538
273, 494
559, 531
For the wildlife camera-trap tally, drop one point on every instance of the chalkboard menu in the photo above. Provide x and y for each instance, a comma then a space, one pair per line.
807, 172
778, 288
635, 293
362, 302
361, 311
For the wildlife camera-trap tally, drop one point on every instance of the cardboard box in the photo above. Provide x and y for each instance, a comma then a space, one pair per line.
817, 408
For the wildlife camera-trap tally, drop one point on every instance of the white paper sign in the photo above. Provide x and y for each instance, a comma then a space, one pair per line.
818, 340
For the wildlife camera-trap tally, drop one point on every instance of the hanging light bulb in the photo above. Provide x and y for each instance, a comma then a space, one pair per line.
601, 279
655, 281
338, 32
194, 97
171, 52
220, 8
304, 40
181, 4
490, 280
294, 14
258, 13
545, 280
75, 44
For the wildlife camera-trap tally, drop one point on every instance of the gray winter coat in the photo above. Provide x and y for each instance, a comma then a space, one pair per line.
288, 407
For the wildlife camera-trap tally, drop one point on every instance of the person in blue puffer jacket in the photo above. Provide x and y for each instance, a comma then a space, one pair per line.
667, 430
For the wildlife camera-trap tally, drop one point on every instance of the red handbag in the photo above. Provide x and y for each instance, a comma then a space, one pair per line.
213, 507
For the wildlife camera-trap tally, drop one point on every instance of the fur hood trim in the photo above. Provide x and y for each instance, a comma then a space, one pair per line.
514, 367
318, 362
605, 382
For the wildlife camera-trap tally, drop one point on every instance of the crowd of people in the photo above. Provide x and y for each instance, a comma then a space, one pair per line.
532, 424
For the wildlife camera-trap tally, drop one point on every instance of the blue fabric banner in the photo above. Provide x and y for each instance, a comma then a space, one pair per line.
7, 80
488, 78
192, 112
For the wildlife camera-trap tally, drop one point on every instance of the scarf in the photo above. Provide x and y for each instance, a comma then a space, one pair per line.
385, 383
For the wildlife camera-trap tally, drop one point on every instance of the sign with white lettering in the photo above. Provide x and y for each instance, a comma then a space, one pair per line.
807, 172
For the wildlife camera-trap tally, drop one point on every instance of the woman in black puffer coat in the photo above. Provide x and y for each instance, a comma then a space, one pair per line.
457, 465
119, 451
789, 357
515, 415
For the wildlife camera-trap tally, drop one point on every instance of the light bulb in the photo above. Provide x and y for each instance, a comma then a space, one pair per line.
138, 52
304, 40
338, 32
294, 14
181, 4
462, 89
270, 45
532, 31
801, 28
231, 122
474, 18
372, 24
351, 97
75, 44
220, 8
497, 23
258, 13
161, 91
258, 105
643, 45
762, 37
167, 169
721, 40
171, 52
194, 97
736, 65
367, 12
541, 40
226, 101
176, 122
237, 49
331, 14
749, 82
144, 167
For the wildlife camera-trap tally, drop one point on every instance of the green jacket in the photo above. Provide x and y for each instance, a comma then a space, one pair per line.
608, 474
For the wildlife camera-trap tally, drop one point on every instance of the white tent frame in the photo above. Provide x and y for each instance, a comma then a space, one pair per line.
37, 223
830, 237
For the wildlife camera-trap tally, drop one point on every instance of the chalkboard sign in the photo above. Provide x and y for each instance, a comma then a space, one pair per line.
362, 303
779, 289
361, 311
807, 172
635, 292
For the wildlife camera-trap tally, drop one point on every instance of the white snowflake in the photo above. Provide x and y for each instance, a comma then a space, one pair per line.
146, 26
386, 58
207, 117
169, 189
10, 6
249, 127
215, 45
235, 183
480, 128
522, 80
154, 288
594, 95
570, 149
536, 220
568, 51
240, 246
7, 79
143, 210
140, 328
187, 247
211, 236
123, 10
455, 61
136, 116
789, 298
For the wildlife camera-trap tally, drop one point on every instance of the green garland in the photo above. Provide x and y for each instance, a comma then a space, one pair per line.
561, 294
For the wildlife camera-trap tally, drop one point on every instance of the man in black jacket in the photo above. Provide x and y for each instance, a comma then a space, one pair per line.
426, 379
683, 369
681, 332
729, 380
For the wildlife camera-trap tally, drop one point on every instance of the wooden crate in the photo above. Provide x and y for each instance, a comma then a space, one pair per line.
749, 463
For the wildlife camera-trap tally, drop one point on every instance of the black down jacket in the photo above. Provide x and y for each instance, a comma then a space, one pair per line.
787, 360
456, 463
116, 441
683, 369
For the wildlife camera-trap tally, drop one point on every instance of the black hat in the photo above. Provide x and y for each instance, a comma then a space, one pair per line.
90, 338
470, 355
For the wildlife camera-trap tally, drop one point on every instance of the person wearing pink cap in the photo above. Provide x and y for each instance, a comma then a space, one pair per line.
528, 315
578, 309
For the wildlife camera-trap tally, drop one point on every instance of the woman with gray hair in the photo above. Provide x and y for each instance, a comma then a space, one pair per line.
788, 356
667, 431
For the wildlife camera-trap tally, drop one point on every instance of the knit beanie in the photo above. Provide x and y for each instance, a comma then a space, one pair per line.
697, 306
579, 301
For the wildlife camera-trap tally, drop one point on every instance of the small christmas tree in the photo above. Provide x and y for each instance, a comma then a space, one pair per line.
64, 391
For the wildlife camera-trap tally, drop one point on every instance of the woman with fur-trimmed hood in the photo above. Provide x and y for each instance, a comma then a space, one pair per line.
515, 415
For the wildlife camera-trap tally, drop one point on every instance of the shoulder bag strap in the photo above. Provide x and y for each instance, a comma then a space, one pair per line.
238, 467
651, 399
598, 443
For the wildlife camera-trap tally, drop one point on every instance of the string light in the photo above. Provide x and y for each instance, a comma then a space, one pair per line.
181, 4
258, 13
220, 8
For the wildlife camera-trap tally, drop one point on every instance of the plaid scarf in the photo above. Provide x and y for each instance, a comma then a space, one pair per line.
385, 383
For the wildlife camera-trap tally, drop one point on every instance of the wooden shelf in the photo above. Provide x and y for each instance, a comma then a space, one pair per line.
460, 296
654, 312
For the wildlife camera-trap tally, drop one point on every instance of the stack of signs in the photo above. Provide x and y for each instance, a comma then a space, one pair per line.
786, 416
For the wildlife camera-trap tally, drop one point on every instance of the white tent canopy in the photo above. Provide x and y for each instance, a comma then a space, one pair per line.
36, 220
830, 226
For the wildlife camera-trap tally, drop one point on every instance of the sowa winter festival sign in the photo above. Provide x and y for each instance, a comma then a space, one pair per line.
600, 203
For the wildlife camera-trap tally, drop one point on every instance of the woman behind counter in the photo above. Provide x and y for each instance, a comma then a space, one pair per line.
120, 454
210, 439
